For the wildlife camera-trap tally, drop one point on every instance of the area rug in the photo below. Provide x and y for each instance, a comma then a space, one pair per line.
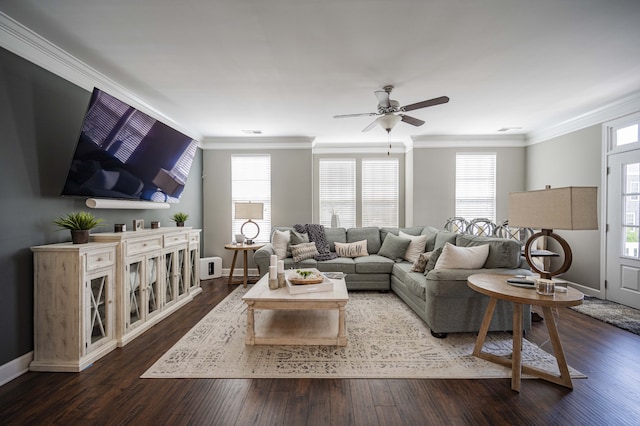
386, 340
610, 312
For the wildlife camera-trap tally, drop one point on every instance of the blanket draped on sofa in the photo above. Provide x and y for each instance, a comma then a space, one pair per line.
316, 235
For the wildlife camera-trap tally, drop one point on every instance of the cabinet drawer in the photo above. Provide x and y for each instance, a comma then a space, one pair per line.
100, 259
194, 238
141, 246
174, 239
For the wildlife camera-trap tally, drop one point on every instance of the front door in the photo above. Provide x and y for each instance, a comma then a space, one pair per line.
623, 218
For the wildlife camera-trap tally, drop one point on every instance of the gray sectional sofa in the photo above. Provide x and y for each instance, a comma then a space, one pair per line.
440, 297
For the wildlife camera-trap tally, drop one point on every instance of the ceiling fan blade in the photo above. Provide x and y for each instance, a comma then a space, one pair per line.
411, 120
372, 125
364, 114
383, 98
424, 104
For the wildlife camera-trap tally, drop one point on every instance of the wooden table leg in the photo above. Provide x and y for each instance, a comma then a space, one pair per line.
565, 377
516, 359
245, 269
233, 265
342, 328
484, 328
251, 330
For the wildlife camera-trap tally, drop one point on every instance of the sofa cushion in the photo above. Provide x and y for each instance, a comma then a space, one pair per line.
503, 253
335, 235
431, 234
296, 238
416, 246
373, 264
444, 237
303, 251
453, 257
340, 264
394, 247
357, 249
280, 243
414, 282
370, 233
307, 263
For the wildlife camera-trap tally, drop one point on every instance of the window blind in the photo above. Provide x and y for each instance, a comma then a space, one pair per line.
476, 186
380, 192
251, 182
337, 189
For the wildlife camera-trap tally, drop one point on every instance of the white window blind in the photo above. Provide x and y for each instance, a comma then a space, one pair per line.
251, 182
476, 186
337, 188
380, 191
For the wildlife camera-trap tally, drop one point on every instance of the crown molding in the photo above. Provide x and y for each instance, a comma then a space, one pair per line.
257, 142
468, 141
20, 40
623, 106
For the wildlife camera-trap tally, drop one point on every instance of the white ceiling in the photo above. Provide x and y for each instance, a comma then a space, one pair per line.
285, 67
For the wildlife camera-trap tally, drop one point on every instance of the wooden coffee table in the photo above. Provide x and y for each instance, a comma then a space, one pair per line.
296, 319
496, 287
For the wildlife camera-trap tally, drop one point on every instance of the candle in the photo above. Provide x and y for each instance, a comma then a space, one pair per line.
281, 266
273, 272
274, 260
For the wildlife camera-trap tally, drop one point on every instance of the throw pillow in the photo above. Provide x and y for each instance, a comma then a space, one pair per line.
421, 262
298, 238
357, 249
416, 246
304, 251
394, 247
433, 259
280, 243
453, 257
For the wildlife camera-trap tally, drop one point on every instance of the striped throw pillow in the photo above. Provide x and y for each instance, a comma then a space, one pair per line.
304, 251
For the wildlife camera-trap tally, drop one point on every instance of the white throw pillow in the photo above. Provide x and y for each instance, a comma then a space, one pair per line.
454, 257
357, 249
416, 246
280, 243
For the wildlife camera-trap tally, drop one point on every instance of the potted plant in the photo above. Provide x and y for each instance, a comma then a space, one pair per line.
79, 223
180, 218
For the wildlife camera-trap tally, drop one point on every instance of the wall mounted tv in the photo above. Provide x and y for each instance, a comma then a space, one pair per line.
122, 153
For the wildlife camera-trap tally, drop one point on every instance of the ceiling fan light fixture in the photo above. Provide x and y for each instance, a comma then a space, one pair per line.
388, 121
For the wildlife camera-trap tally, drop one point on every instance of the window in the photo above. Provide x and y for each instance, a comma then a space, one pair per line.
380, 191
251, 182
337, 182
476, 186
626, 135
362, 192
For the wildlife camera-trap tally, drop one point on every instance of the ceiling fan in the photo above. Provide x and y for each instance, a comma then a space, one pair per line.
390, 111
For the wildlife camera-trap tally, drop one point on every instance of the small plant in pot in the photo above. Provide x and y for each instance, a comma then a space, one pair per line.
79, 223
180, 218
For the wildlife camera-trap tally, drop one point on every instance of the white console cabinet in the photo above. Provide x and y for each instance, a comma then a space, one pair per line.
74, 305
91, 298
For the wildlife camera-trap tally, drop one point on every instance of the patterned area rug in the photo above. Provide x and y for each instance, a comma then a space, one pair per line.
610, 312
386, 340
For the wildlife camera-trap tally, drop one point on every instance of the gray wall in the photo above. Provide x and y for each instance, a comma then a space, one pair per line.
574, 159
40, 118
434, 182
291, 200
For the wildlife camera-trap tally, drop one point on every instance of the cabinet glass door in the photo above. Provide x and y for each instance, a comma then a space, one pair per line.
135, 293
153, 284
170, 293
194, 279
181, 272
98, 309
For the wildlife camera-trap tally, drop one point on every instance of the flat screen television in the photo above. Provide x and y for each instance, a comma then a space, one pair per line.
123, 153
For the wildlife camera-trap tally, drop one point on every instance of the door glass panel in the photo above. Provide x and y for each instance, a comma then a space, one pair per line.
152, 284
627, 135
631, 209
169, 277
135, 294
98, 309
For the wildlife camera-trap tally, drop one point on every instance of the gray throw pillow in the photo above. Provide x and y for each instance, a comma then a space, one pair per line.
296, 238
394, 247
433, 259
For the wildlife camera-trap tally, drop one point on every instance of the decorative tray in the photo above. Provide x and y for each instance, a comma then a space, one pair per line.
305, 276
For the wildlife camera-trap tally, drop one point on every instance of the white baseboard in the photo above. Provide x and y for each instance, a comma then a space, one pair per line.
15, 368
588, 290
237, 272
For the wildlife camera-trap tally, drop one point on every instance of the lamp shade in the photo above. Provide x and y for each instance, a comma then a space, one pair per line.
571, 207
248, 210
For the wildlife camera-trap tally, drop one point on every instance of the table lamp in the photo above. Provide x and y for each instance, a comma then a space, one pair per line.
570, 208
249, 211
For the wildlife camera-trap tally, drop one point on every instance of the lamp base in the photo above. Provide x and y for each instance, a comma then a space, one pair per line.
249, 240
568, 256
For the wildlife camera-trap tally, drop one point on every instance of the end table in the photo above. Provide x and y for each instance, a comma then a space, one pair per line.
244, 248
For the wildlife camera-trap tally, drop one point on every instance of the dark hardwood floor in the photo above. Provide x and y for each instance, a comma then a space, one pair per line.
111, 392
